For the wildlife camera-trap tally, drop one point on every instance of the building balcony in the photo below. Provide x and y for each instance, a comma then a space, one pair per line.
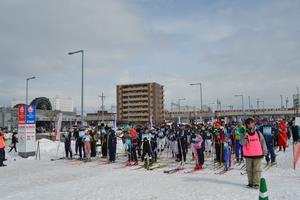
129, 89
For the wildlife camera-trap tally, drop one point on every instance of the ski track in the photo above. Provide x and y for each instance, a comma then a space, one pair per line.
61, 179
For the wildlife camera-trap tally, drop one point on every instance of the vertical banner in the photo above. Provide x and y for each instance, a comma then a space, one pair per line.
30, 129
21, 128
115, 122
21, 114
296, 154
58, 126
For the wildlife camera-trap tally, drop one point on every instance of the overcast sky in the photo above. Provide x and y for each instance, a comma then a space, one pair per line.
232, 47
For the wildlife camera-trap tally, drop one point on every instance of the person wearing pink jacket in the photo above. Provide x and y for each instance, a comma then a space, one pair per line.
254, 149
197, 147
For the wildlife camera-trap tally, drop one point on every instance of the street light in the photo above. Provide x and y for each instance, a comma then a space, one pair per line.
200, 85
82, 59
27, 79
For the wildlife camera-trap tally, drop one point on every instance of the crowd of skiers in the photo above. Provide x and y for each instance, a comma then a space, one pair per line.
249, 141
88, 139
221, 141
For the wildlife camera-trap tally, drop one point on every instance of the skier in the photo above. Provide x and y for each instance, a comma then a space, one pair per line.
153, 142
254, 148
2, 149
14, 141
208, 140
172, 141
81, 149
161, 140
227, 150
77, 140
134, 146
112, 145
103, 134
282, 136
269, 134
94, 138
240, 130
197, 148
181, 138
218, 141
67, 137
87, 145
146, 149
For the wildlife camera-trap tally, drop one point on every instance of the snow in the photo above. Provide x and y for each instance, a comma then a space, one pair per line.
63, 179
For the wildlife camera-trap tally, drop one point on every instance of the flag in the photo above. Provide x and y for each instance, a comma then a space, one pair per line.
296, 154
58, 126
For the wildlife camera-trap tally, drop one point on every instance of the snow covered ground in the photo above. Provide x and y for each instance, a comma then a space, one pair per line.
63, 179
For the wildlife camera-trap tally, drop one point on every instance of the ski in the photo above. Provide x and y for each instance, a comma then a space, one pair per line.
161, 165
223, 171
140, 167
55, 159
192, 171
172, 171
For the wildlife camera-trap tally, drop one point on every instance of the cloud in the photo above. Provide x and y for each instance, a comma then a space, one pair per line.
238, 47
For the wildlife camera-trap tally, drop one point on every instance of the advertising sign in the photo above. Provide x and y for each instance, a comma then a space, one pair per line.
26, 130
21, 114
30, 115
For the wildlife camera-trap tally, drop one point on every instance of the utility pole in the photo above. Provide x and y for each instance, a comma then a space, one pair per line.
297, 101
249, 99
257, 103
102, 106
281, 101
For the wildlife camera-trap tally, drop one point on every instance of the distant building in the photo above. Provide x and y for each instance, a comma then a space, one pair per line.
63, 104
140, 103
99, 117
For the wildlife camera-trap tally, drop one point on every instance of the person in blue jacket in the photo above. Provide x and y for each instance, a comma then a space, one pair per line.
269, 132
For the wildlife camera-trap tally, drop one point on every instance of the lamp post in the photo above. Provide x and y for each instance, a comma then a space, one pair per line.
200, 85
82, 83
27, 79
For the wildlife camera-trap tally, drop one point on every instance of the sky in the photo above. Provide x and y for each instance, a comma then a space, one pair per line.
248, 47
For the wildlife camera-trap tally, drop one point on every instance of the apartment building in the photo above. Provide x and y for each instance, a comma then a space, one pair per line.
140, 103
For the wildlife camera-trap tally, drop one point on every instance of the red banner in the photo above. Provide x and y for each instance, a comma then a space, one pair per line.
21, 114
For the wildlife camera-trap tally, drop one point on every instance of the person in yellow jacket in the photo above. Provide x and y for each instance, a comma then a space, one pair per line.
2, 149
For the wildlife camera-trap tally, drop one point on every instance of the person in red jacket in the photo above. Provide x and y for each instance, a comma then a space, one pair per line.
282, 136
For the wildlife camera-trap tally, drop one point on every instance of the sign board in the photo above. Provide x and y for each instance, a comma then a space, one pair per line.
26, 130
21, 114
30, 115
